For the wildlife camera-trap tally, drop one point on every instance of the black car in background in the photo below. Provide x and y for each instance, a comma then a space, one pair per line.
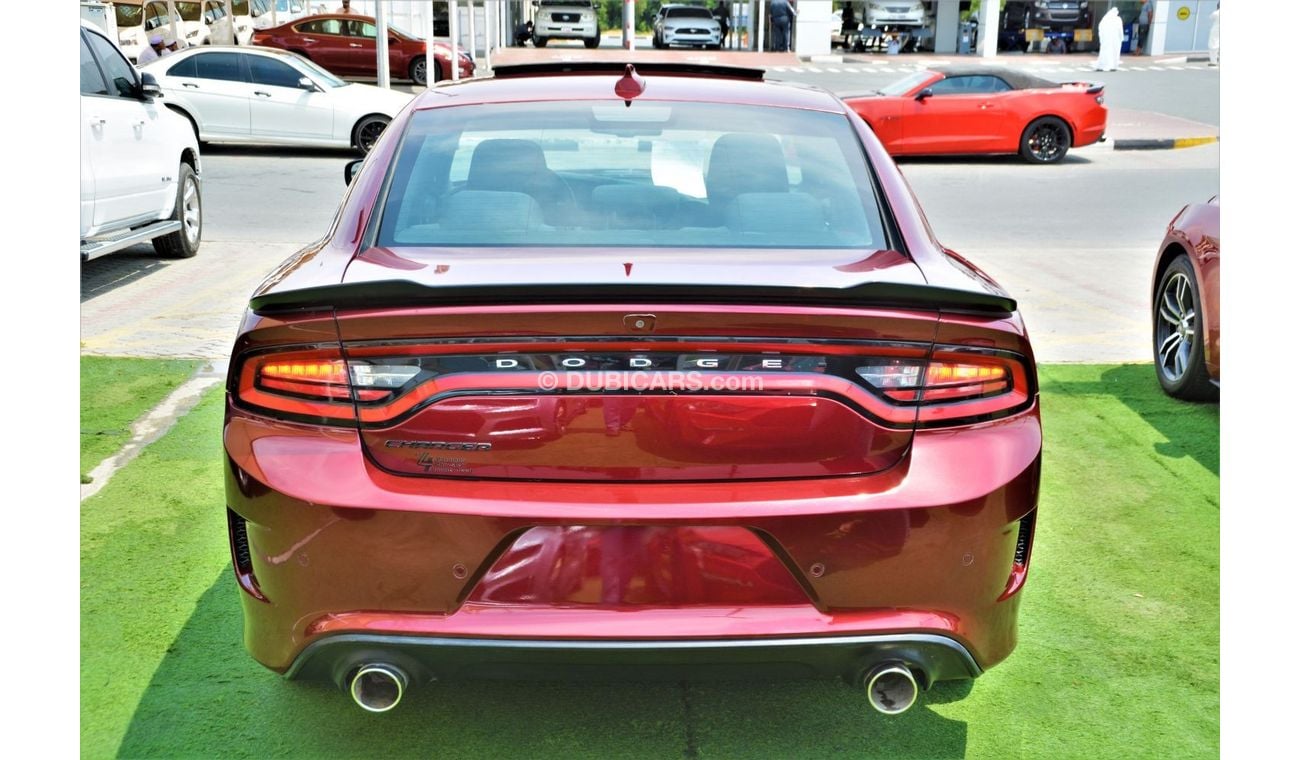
1051, 15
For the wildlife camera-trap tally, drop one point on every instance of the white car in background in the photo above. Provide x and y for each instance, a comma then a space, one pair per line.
686, 25
285, 11
895, 13
269, 96
139, 161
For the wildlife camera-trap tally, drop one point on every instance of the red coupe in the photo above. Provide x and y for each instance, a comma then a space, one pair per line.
1185, 304
344, 44
984, 109
656, 373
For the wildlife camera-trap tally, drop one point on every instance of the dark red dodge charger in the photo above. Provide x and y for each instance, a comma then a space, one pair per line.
651, 373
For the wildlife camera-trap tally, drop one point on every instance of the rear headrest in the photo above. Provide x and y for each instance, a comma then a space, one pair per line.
785, 215
504, 164
745, 163
491, 210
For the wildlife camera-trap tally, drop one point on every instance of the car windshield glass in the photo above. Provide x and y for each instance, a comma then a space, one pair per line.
190, 11
906, 83
689, 13
649, 174
128, 15
320, 75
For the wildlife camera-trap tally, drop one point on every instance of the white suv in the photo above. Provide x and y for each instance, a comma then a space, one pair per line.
565, 20
139, 160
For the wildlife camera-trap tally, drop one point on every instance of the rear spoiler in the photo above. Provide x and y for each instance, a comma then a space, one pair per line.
1092, 87
395, 293
618, 67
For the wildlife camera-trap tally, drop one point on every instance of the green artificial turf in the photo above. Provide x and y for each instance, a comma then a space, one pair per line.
115, 393
1118, 653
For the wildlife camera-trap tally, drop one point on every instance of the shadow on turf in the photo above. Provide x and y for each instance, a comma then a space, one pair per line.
1190, 429
209, 699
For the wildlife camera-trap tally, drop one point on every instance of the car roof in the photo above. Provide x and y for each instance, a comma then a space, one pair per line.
660, 86
1020, 80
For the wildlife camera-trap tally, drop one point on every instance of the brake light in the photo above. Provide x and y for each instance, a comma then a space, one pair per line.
954, 386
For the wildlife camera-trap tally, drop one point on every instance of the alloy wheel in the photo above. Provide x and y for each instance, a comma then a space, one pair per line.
190, 211
368, 133
1176, 327
1048, 142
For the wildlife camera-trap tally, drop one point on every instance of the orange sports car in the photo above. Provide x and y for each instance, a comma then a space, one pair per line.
984, 109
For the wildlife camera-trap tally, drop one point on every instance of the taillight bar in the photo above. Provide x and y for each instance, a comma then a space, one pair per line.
898, 385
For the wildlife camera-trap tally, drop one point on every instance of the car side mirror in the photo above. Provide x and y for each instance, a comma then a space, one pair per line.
149, 87
350, 170
308, 85
926, 93
393, 41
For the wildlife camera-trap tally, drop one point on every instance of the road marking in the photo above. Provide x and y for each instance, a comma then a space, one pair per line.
833, 71
1177, 68
813, 69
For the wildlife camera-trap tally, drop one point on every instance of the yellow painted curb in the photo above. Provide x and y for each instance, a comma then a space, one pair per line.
1188, 142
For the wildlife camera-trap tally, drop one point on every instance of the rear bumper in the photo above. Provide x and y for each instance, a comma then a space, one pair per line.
329, 545
425, 658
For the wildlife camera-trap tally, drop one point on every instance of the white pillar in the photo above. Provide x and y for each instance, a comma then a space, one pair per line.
171, 19
473, 38
814, 24
489, 29
381, 45
947, 27
453, 28
988, 40
762, 12
1160, 12
430, 63
629, 24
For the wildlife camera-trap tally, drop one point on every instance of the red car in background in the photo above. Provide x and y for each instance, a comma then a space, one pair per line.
1185, 304
344, 44
984, 109
657, 373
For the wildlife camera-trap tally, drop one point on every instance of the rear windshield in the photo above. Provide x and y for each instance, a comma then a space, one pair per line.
652, 174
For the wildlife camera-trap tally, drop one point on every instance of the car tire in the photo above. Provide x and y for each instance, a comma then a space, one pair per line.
1045, 141
656, 43
184, 243
367, 131
592, 43
1177, 334
539, 41
419, 71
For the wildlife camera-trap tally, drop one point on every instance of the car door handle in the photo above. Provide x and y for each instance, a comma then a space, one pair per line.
354, 44
308, 39
138, 124
98, 121
985, 105
263, 94
189, 84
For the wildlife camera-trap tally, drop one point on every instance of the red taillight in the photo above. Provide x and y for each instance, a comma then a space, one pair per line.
303, 384
954, 386
317, 385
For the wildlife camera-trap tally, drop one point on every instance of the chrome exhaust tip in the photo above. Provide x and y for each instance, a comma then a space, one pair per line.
891, 688
377, 687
